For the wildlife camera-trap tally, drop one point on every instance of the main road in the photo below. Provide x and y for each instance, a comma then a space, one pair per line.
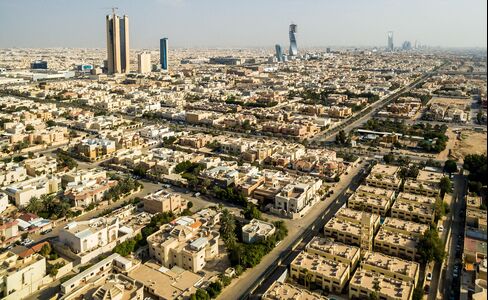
309, 225
363, 116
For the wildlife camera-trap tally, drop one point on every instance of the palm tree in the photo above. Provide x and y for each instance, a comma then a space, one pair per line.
35, 205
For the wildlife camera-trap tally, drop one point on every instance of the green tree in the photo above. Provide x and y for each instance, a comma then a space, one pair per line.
29, 127
45, 250
35, 205
450, 166
389, 158
445, 186
252, 212
341, 138
227, 228
430, 247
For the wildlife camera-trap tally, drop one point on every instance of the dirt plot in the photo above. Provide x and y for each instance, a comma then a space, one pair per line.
470, 142
450, 101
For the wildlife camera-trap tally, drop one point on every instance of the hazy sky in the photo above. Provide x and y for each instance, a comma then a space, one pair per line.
245, 23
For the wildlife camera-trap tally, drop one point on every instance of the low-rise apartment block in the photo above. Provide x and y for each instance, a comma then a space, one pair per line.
372, 199
327, 274
280, 290
365, 283
384, 176
426, 183
414, 207
11, 173
295, 196
399, 238
40, 166
94, 149
335, 251
390, 266
353, 227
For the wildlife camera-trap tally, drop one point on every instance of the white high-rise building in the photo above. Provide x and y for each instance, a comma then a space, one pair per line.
144, 62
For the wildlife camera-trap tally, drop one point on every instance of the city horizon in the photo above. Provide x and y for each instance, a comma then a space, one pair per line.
254, 30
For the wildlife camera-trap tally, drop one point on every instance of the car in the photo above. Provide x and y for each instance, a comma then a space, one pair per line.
429, 276
440, 228
426, 288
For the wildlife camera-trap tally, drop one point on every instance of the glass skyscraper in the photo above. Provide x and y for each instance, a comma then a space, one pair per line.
293, 40
279, 53
163, 53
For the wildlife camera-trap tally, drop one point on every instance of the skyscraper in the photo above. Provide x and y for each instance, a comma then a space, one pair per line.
163, 53
279, 52
293, 40
118, 44
144, 62
390, 40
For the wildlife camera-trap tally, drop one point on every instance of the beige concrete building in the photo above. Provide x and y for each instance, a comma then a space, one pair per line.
23, 191
184, 243
280, 291
399, 238
414, 207
257, 230
339, 252
390, 266
11, 173
372, 199
85, 236
20, 278
40, 166
365, 283
327, 274
426, 183
164, 201
384, 176
144, 62
353, 227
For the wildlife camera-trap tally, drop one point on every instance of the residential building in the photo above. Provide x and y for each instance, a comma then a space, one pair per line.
11, 173
282, 290
335, 251
390, 266
20, 277
295, 196
257, 230
365, 283
41, 165
9, 232
326, 274
372, 199
164, 201
384, 176
3, 202
414, 207
85, 236
22, 192
426, 183
185, 243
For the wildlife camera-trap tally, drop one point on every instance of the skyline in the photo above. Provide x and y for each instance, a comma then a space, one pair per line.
218, 23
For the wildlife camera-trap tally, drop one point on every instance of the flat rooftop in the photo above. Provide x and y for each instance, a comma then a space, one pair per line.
321, 265
378, 192
331, 248
388, 287
414, 198
404, 227
396, 239
386, 170
353, 216
285, 291
390, 263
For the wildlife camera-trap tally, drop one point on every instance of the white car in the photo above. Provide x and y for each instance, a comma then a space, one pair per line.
429, 276
440, 228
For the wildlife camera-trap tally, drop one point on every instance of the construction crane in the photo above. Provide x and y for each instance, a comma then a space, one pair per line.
112, 8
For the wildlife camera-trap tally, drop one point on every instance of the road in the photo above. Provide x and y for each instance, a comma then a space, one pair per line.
306, 227
352, 123
443, 285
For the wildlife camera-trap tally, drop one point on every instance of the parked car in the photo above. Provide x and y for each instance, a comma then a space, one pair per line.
429, 276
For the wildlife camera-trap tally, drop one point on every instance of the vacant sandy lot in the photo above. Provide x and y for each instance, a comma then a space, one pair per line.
471, 143
450, 101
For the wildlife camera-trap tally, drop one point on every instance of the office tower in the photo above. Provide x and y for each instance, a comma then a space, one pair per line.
293, 40
279, 52
407, 45
390, 40
118, 44
39, 65
144, 62
163, 53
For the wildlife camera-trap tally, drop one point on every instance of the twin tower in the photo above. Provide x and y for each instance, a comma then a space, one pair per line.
118, 53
